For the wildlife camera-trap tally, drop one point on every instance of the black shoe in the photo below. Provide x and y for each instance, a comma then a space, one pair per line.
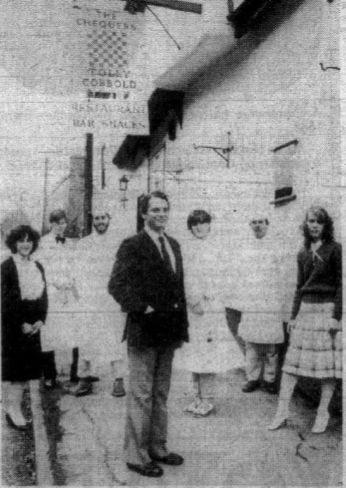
91, 378
149, 469
250, 386
84, 388
74, 379
50, 384
171, 459
270, 387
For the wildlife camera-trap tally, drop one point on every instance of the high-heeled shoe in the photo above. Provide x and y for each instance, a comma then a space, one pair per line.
278, 423
320, 424
13, 424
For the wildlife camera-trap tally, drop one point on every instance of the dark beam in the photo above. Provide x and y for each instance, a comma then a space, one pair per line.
195, 8
290, 143
88, 184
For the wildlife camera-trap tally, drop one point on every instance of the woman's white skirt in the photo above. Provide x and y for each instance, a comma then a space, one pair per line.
212, 348
261, 328
313, 350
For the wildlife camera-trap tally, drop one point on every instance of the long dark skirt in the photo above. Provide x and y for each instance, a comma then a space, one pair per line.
21, 354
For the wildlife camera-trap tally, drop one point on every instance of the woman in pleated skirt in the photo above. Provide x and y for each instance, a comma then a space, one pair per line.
315, 346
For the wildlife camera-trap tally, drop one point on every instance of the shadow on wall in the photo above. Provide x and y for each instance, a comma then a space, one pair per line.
225, 64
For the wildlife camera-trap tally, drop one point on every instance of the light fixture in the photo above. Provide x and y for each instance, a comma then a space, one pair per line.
123, 185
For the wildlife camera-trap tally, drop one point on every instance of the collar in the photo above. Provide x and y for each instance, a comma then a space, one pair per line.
51, 236
95, 235
18, 259
154, 235
315, 245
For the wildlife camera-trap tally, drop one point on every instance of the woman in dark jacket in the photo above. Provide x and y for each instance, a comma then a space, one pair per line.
315, 348
23, 312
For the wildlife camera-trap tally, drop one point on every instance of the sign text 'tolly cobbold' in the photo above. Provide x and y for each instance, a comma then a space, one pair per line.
110, 73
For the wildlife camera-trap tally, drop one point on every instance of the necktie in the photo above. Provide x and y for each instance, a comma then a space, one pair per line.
60, 239
165, 255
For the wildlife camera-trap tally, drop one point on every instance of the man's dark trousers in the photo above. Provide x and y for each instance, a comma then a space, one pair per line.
146, 420
141, 279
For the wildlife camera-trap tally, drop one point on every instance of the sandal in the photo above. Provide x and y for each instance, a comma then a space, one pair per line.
192, 408
204, 409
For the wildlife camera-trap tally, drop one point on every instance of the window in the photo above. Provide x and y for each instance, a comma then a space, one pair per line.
283, 159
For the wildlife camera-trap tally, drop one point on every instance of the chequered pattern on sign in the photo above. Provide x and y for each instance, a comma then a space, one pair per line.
107, 49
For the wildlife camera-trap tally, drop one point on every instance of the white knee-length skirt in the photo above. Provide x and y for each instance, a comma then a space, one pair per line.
212, 348
313, 350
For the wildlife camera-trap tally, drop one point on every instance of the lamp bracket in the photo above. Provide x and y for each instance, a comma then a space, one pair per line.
223, 152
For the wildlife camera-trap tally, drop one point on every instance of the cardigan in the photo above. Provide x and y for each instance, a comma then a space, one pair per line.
320, 278
21, 354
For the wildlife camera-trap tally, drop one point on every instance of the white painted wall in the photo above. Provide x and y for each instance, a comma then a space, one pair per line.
274, 93
36, 124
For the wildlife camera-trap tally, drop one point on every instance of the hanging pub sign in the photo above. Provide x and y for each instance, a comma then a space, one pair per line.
87, 56
110, 68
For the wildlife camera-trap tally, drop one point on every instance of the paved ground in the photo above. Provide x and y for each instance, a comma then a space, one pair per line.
17, 453
231, 447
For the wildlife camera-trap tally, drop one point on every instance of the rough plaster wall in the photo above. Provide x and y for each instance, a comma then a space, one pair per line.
275, 94
35, 125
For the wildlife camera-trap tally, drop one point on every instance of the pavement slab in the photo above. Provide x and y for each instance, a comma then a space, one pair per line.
18, 452
228, 448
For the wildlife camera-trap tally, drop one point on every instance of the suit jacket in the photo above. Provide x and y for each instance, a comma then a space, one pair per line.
140, 278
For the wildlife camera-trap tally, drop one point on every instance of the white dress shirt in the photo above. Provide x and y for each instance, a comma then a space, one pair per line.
30, 279
155, 238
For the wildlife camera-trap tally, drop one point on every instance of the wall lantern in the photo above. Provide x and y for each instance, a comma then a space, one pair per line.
123, 184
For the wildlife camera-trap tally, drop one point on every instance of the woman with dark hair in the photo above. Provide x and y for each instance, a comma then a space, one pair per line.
23, 313
211, 348
315, 348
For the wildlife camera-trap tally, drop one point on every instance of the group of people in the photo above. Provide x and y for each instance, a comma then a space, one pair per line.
57, 315
172, 305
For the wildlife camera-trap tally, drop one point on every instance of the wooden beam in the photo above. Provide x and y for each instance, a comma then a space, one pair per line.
88, 184
195, 8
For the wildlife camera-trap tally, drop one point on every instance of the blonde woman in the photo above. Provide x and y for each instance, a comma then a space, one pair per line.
315, 348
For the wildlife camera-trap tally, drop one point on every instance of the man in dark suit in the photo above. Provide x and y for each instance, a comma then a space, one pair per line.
147, 281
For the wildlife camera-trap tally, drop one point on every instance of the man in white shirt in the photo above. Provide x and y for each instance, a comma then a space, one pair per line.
261, 325
101, 320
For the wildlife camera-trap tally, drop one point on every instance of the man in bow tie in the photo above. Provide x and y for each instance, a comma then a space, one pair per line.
147, 281
59, 337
